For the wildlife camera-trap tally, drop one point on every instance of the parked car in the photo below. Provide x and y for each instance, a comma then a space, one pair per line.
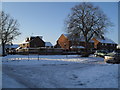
100, 53
113, 57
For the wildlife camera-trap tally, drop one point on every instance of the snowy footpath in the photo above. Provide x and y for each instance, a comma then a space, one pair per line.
58, 71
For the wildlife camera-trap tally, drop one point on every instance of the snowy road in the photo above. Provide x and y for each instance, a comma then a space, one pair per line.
42, 76
52, 74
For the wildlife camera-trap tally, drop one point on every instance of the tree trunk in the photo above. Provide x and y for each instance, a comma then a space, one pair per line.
3, 49
86, 52
86, 47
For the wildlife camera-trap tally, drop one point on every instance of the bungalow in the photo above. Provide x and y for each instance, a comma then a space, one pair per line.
33, 42
67, 42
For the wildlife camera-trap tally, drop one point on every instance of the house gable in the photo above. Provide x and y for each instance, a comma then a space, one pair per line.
37, 42
95, 42
64, 42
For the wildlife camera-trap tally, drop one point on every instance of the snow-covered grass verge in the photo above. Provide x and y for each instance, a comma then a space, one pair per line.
58, 71
49, 59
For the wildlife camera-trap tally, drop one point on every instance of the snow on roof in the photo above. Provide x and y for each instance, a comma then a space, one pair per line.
80, 39
30, 38
14, 46
106, 40
48, 44
66, 35
37, 36
24, 42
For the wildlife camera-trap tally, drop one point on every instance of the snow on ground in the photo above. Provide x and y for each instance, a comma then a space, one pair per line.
11, 83
0, 72
58, 71
48, 59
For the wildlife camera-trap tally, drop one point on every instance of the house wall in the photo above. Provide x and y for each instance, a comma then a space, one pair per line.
64, 42
25, 45
33, 43
37, 42
107, 46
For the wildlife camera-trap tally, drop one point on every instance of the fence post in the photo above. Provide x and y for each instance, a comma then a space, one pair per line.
28, 54
38, 54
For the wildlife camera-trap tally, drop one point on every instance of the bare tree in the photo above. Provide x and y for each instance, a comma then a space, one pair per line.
88, 21
8, 29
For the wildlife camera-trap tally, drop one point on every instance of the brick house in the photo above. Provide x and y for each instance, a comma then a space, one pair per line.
33, 42
63, 42
66, 42
104, 44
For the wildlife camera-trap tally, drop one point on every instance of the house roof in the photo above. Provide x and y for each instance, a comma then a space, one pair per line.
66, 35
24, 42
80, 39
18, 47
30, 39
106, 40
14, 46
48, 44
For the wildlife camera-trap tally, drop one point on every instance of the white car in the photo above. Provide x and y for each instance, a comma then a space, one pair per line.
100, 53
106, 58
113, 57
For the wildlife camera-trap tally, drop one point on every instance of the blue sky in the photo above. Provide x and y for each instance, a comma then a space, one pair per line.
47, 18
